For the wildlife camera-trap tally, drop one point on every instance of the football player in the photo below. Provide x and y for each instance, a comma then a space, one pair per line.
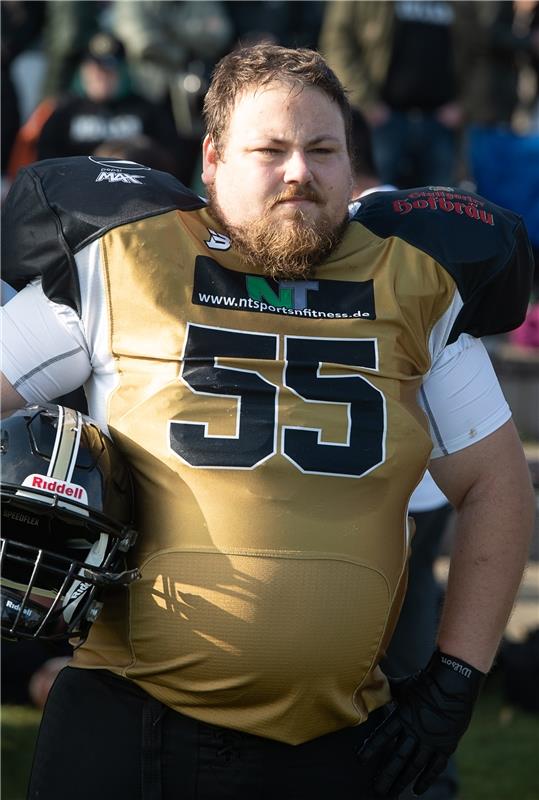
278, 376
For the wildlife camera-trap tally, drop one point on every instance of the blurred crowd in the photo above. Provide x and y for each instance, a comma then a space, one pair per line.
450, 90
78, 75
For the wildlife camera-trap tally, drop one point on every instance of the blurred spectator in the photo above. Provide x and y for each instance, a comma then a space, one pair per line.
24, 149
503, 43
534, 61
277, 21
171, 48
140, 149
21, 22
505, 169
104, 108
69, 26
170, 45
366, 178
504, 161
527, 335
47, 72
401, 62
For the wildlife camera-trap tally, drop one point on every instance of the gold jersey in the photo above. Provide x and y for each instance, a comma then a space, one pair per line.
275, 438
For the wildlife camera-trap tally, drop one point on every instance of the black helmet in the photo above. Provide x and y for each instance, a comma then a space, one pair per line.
67, 514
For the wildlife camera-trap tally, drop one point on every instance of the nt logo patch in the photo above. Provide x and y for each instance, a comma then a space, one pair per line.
229, 289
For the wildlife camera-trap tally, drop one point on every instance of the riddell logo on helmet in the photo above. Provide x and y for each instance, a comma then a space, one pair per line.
53, 486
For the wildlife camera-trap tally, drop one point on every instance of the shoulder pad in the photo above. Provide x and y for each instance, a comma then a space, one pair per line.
58, 206
484, 247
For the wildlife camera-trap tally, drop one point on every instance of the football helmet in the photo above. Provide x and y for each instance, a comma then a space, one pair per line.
67, 522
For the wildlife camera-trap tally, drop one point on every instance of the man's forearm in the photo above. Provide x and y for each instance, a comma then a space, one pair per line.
491, 548
9, 397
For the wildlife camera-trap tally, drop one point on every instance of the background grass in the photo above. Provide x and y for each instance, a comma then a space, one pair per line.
19, 731
498, 759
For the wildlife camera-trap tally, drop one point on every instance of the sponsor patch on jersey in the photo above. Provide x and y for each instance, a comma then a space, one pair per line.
118, 177
230, 290
444, 200
217, 241
54, 486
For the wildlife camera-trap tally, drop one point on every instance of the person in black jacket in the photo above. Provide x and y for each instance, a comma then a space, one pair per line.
103, 107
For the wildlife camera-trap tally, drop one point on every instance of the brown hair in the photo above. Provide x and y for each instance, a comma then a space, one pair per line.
263, 64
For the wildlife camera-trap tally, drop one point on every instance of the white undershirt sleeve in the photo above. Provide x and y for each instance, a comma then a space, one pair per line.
462, 397
44, 352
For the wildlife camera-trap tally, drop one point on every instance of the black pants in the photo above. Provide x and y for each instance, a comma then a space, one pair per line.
102, 738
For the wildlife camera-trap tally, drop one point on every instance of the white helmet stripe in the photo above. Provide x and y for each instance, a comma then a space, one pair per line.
66, 444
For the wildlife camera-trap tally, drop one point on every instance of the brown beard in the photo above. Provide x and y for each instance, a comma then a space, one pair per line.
286, 250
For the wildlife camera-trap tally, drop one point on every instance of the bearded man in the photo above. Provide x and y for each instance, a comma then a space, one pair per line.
279, 377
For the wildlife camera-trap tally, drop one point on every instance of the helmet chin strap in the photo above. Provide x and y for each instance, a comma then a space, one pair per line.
95, 558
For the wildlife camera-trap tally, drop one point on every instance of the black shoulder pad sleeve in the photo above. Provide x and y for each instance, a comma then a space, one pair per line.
485, 249
58, 206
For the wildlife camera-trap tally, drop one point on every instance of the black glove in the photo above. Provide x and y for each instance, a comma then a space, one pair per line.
433, 708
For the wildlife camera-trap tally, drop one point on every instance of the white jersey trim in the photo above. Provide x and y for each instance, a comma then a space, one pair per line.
442, 329
104, 377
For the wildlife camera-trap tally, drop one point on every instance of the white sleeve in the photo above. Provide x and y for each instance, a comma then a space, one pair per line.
462, 397
44, 351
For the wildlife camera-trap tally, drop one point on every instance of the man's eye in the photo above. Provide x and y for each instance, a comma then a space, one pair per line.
269, 150
321, 150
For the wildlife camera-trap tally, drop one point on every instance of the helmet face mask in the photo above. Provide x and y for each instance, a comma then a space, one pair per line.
67, 507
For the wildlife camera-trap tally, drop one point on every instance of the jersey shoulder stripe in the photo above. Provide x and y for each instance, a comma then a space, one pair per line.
485, 249
59, 206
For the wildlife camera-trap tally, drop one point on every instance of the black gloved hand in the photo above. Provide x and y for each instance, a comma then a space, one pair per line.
433, 708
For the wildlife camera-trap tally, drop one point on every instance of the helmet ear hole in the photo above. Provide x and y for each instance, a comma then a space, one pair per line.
67, 522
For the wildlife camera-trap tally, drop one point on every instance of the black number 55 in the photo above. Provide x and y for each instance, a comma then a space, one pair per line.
256, 402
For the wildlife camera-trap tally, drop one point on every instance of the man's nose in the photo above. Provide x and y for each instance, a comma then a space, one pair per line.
297, 168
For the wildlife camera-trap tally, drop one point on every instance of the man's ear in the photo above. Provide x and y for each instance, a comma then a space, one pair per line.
209, 161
